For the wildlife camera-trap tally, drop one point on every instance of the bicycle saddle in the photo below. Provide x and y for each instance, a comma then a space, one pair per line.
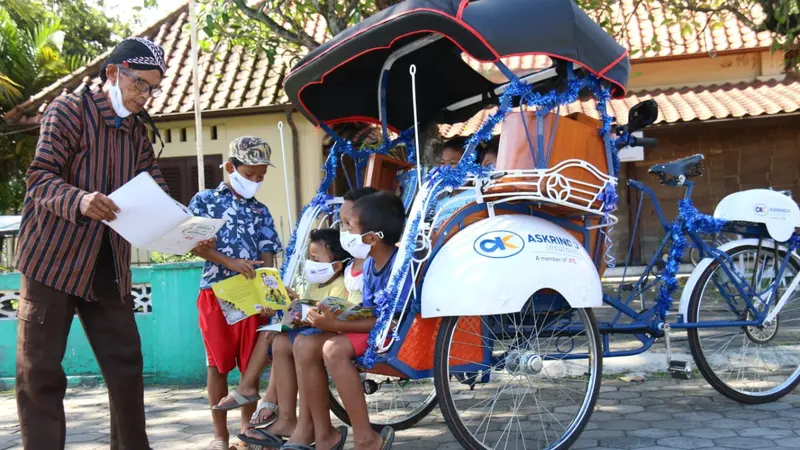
674, 173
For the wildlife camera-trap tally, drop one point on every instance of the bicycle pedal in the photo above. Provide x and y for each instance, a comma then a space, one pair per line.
628, 287
681, 370
370, 387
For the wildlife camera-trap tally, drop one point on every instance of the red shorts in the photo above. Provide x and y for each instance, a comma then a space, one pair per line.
227, 346
358, 341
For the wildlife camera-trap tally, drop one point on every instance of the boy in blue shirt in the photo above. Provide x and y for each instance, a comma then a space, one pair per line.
247, 241
371, 231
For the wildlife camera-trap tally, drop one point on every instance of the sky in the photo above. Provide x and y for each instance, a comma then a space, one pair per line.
124, 9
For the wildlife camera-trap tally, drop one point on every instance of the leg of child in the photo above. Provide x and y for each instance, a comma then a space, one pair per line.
339, 353
283, 384
248, 383
313, 382
217, 389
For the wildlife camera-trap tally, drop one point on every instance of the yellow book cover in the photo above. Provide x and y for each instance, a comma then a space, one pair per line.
240, 298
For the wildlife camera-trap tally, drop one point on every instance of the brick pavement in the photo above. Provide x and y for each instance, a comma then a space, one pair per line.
659, 414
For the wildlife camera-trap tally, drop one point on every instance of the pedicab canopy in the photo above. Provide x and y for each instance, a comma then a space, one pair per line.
338, 81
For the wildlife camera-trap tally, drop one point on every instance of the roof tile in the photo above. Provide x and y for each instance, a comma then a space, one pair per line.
231, 80
682, 105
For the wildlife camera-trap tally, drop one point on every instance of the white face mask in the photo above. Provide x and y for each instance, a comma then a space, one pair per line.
354, 244
116, 100
319, 273
243, 186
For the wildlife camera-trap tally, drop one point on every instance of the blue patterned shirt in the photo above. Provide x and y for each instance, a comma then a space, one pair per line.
249, 230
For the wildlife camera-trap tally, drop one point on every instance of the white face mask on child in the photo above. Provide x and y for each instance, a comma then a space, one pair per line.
244, 187
319, 273
353, 244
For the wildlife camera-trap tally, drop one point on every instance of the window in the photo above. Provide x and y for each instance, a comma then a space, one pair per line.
181, 175
214, 133
168, 136
183, 134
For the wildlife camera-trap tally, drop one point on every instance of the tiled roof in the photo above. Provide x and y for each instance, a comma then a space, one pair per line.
233, 79
683, 105
699, 39
230, 78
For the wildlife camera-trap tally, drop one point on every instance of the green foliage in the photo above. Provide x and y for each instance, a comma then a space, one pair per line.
40, 42
163, 258
280, 27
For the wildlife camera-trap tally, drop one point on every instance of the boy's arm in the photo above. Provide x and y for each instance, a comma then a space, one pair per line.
355, 326
268, 258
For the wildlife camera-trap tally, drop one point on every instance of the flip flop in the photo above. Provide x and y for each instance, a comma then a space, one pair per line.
387, 437
217, 445
239, 400
267, 439
297, 447
342, 440
269, 406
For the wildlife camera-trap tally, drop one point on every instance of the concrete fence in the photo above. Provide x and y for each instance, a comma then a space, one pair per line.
165, 306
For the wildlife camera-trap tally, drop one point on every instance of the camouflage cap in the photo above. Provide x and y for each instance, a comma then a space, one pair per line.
251, 151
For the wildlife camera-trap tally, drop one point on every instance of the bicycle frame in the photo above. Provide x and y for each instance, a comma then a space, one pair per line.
647, 324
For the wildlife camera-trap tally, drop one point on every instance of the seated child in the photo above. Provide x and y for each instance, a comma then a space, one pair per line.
372, 231
452, 151
488, 157
353, 274
324, 271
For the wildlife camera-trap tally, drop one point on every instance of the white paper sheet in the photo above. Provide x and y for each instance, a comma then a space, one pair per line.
183, 238
146, 211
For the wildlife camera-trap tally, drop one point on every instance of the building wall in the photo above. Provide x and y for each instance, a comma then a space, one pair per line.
272, 192
740, 154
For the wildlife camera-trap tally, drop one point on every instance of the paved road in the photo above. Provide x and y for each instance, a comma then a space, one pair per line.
659, 414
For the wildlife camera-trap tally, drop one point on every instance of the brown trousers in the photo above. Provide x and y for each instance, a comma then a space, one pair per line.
45, 316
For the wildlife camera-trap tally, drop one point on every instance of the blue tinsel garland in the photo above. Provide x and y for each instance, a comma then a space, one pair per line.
689, 220
388, 300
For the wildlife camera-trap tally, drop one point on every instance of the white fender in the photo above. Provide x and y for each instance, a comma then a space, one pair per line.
686, 295
494, 265
778, 212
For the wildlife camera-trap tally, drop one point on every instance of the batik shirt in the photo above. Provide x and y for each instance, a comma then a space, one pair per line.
249, 229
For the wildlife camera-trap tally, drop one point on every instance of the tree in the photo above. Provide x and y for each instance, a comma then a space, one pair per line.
41, 41
281, 26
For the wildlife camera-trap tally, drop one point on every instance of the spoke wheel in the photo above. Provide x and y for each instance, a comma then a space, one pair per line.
510, 381
391, 401
749, 364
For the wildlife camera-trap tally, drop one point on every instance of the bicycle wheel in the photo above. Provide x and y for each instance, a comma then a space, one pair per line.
747, 364
398, 403
531, 394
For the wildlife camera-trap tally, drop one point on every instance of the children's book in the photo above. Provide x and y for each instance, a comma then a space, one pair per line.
240, 298
297, 316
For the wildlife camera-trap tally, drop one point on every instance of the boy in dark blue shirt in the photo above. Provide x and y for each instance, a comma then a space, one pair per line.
371, 231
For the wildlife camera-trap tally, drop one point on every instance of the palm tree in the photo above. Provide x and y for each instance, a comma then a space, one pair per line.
30, 58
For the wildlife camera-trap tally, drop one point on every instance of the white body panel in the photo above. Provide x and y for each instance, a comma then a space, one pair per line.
778, 212
683, 307
495, 265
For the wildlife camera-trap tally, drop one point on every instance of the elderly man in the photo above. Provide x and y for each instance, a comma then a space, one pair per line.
90, 144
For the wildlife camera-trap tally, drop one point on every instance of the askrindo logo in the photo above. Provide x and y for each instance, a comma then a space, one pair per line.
499, 244
760, 209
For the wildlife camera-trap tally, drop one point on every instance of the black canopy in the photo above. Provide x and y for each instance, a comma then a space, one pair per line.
338, 81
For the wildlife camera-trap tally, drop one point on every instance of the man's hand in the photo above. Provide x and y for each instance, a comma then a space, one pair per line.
244, 267
97, 206
292, 295
321, 317
267, 312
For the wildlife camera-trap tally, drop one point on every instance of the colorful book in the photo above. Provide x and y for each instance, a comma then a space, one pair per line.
240, 298
297, 317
